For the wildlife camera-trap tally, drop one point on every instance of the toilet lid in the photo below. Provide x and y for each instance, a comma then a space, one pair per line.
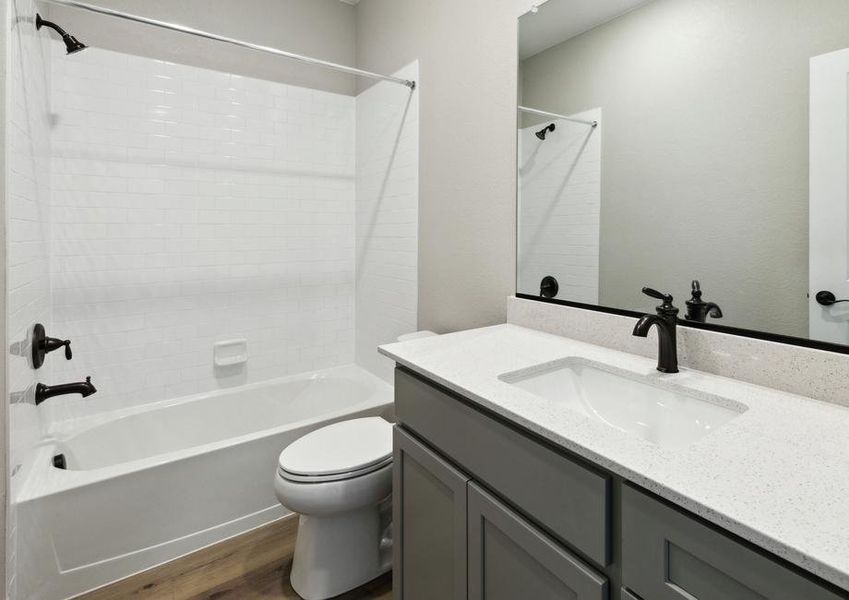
344, 447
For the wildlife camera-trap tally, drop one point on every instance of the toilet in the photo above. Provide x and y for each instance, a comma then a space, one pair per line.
339, 480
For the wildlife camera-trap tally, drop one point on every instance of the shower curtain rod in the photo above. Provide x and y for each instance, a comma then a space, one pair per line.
220, 38
556, 116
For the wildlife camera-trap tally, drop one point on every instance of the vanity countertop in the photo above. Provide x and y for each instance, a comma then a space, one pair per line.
776, 475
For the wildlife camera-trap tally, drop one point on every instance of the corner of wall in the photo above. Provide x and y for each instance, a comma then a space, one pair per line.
386, 218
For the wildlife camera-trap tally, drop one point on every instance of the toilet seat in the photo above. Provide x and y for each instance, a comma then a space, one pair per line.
337, 452
335, 477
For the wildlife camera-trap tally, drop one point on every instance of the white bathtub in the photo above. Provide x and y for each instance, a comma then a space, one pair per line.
149, 484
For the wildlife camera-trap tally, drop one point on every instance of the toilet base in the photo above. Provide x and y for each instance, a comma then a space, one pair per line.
337, 553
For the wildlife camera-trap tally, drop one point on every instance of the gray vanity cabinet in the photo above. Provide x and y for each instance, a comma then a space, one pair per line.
669, 555
429, 516
486, 511
510, 559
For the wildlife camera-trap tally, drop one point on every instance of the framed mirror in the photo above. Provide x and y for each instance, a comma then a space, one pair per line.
698, 147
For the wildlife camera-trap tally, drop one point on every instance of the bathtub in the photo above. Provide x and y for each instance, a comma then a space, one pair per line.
146, 485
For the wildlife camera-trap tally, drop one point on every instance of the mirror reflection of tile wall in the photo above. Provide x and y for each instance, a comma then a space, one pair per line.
560, 199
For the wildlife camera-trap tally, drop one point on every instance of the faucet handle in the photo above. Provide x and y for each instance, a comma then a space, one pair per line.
67, 344
667, 298
43, 345
696, 288
666, 309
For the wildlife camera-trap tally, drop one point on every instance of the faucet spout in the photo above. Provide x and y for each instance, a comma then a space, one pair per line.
713, 310
44, 392
646, 322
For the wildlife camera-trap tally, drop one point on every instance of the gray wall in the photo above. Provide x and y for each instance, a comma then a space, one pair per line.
323, 29
467, 194
728, 82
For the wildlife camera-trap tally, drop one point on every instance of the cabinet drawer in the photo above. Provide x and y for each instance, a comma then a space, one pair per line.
669, 555
509, 558
568, 499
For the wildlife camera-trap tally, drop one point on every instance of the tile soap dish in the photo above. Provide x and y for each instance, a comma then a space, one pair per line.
228, 353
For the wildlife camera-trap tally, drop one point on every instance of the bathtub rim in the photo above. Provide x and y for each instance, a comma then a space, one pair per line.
65, 428
43, 479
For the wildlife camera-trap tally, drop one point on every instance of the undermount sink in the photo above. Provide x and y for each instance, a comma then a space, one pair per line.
664, 414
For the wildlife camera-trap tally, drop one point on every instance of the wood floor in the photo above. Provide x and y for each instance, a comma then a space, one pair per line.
253, 566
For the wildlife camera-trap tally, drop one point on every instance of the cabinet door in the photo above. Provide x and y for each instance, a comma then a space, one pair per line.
429, 524
670, 555
509, 559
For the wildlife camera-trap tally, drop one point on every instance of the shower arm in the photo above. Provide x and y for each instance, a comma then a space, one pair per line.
39, 23
228, 40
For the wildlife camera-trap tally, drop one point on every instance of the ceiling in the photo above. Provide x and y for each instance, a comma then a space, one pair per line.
558, 20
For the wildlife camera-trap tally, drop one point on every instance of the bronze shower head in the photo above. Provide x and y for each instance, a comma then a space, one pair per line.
72, 44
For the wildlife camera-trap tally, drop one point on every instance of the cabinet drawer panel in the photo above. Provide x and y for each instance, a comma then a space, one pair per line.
669, 555
510, 559
565, 497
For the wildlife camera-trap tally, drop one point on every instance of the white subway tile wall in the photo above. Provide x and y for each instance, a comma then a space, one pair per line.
387, 218
191, 206
28, 243
560, 208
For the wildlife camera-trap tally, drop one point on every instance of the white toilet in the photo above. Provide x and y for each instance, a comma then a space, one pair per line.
339, 479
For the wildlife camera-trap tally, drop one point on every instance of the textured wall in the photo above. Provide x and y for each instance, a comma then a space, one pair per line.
387, 218
320, 28
467, 177
559, 207
192, 206
705, 162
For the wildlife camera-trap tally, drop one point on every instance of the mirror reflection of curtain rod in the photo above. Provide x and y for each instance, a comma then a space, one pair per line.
220, 38
543, 113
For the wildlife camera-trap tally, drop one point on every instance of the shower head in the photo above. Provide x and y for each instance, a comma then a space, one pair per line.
542, 132
72, 44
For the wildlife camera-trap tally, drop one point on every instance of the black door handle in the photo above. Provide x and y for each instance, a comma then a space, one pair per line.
827, 298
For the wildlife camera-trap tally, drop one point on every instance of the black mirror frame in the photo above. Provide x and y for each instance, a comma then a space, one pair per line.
749, 333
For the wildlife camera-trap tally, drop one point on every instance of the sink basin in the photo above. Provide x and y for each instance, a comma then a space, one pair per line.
661, 413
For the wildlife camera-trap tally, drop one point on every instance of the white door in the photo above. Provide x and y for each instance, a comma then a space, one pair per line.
829, 197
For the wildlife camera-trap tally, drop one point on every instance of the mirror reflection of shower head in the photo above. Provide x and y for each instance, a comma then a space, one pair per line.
72, 44
544, 131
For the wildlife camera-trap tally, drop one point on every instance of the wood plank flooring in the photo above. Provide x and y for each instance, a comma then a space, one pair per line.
252, 566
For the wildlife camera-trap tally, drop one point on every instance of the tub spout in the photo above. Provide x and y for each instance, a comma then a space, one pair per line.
83, 388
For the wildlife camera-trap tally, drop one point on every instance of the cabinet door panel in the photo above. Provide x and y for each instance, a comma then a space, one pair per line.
429, 524
670, 555
509, 559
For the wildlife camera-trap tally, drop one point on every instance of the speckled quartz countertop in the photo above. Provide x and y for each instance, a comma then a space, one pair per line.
776, 475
